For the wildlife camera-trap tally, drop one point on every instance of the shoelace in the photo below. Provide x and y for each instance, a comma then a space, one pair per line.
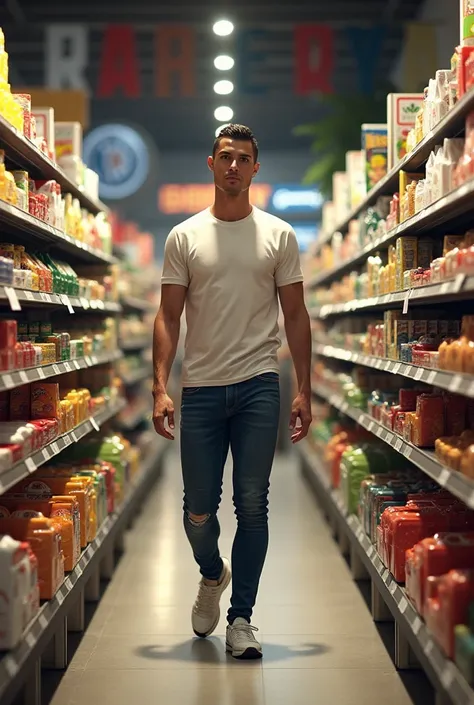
206, 598
243, 632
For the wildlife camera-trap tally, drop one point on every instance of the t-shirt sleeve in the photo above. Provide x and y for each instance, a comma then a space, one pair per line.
288, 269
175, 268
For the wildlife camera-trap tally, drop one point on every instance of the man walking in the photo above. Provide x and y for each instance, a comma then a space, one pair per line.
229, 265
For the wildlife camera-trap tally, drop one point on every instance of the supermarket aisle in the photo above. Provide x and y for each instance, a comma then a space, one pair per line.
319, 641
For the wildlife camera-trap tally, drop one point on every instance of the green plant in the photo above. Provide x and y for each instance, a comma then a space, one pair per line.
338, 131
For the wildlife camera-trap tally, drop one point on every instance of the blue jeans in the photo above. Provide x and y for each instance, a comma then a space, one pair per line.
244, 417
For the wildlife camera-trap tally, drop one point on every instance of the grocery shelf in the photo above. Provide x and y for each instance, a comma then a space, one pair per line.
139, 343
452, 381
22, 152
16, 665
459, 485
22, 224
452, 125
42, 298
27, 466
446, 678
134, 418
137, 376
133, 303
10, 380
445, 211
451, 290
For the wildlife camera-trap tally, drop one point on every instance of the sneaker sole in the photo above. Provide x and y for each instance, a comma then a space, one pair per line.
250, 654
225, 585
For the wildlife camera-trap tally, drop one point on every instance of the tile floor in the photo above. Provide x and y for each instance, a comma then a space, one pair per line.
320, 644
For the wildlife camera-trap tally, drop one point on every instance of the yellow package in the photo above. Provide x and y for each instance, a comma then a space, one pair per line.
406, 252
45, 400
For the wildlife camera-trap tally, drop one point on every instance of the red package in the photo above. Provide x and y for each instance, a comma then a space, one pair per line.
455, 412
16, 451
437, 556
447, 605
8, 334
407, 399
430, 420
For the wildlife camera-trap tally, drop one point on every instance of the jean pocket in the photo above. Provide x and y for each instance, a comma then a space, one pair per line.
189, 391
270, 377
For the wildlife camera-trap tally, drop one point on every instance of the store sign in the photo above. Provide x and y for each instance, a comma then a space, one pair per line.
176, 60
174, 199
296, 199
120, 156
186, 199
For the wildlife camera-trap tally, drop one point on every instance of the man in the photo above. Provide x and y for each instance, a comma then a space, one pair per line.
227, 264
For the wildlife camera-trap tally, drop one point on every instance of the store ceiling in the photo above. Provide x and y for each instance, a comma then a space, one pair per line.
184, 122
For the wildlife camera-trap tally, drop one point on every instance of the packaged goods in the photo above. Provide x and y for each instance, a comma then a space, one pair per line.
375, 148
45, 541
447, 605
402, 109
19, 590
45, 400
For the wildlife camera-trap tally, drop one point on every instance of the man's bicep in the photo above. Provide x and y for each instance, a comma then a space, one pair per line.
175, 268
291, 298
173, 297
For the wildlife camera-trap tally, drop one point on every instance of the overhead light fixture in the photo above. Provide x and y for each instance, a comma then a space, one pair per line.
221, 127
223, 62
223, 113
223, 28
223, 87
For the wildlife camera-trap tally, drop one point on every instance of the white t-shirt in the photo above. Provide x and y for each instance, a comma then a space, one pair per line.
232, 271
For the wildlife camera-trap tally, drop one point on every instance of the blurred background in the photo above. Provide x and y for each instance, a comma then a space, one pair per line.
141, 79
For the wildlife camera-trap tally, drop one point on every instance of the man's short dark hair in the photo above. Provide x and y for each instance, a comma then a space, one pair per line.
237, 132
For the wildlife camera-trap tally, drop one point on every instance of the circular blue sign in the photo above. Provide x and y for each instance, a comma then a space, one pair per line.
120, 156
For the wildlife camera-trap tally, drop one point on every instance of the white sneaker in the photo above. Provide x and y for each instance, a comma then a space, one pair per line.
206, 611
240, 640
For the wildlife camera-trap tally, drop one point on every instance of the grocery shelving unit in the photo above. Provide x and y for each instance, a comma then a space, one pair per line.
452, 125
425, 460
414, 644
45, 640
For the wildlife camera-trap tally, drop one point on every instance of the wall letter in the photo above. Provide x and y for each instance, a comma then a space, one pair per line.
175, 58
118, 64
314, 59
247, 59
67, 49
367, 47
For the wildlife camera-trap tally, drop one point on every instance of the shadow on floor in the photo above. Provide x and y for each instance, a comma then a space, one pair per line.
209, 651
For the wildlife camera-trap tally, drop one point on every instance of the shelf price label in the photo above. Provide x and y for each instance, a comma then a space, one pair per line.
56, 370
30, 464
94, 423
12, 298
7, 380
67, 303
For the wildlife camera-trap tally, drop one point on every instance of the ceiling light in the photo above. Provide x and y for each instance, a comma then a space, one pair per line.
223, 87
221, 127
223, 28
223, 113
223, 62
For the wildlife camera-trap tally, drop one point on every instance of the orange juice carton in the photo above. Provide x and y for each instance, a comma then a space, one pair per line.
45, 541
45, 400
64, 511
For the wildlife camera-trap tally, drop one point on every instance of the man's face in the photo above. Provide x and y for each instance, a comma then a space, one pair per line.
233, 166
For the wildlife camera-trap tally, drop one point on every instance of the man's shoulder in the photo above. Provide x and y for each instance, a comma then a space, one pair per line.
272, 221
190, 224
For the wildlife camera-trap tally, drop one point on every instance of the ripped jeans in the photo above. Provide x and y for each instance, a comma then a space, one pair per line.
244, 417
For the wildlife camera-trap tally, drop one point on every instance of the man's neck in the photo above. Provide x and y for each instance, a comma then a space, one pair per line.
231, 208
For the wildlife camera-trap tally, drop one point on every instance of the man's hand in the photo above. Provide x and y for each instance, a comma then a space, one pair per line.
301, 409
163, 409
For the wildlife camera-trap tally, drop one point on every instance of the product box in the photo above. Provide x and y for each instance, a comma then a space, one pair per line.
375, 149
466, 8
45, 126
68, 139
340, 192
402, 109
356, 175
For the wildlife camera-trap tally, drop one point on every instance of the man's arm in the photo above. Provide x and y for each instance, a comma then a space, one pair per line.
298, 333
165, 342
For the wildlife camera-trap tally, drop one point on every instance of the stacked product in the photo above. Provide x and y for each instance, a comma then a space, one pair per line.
32, 343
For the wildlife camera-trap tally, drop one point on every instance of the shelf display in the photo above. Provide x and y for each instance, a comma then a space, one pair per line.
70, 481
